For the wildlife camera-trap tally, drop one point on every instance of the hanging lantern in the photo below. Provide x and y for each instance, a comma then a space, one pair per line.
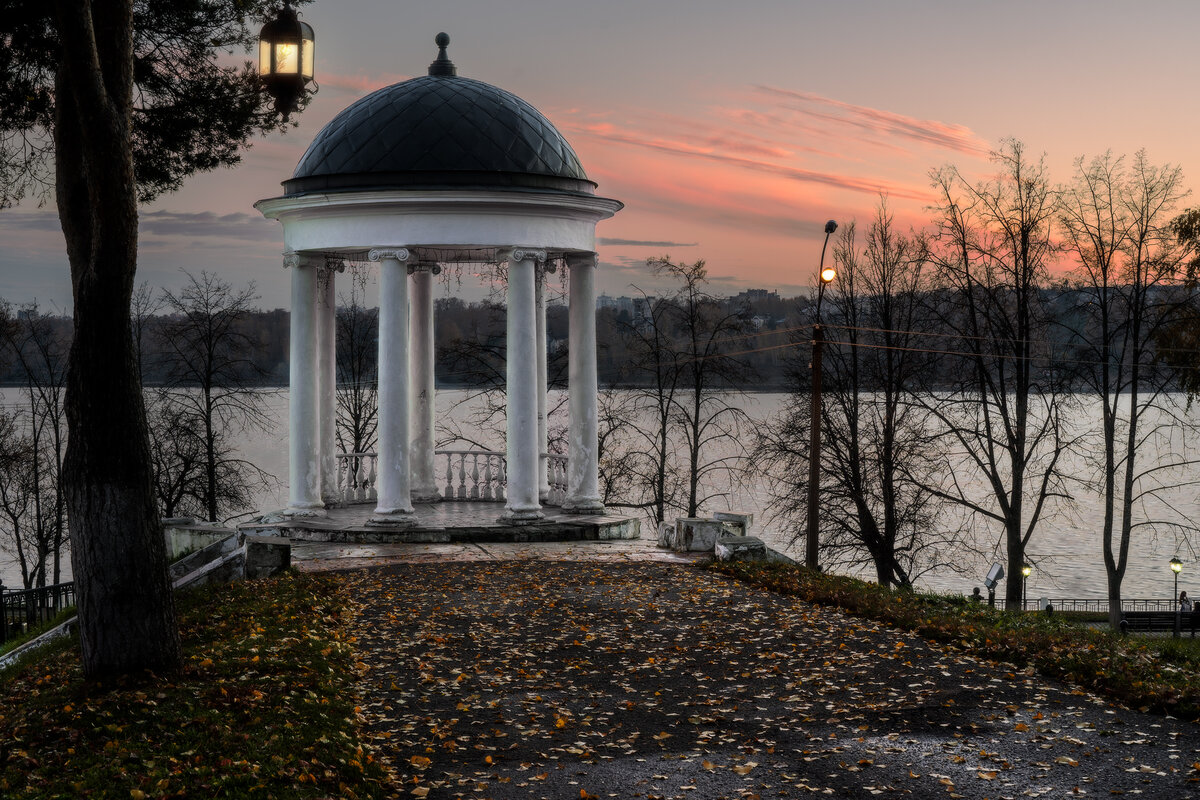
285, 58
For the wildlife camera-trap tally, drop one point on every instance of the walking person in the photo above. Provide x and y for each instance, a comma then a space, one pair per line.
1184, 611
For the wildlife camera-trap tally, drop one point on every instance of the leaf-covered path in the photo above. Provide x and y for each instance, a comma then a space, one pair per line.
571, 680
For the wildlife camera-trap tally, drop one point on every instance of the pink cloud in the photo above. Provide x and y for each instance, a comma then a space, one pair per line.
881, 123
612, 133
360, 84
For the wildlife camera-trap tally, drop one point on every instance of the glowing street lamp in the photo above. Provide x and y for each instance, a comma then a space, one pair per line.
1177, 567
285, 58
826, 275
1026, 571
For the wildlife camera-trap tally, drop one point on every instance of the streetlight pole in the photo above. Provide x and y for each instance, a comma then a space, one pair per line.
1177, 567
824, 276
1026, 570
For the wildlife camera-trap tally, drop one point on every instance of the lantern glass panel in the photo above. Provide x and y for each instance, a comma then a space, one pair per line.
264, 57
306, 63
287, 58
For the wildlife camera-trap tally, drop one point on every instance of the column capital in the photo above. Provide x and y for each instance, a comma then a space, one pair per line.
521, 254
332, 265
433, 269
580, 259
293, 259
394, 253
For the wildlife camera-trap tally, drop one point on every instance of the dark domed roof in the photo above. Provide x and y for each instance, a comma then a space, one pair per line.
439, 131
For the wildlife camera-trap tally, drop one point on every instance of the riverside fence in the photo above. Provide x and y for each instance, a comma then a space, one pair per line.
25, 609
1096, 605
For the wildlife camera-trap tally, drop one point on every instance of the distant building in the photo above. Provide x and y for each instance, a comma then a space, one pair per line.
756, 295
617, 304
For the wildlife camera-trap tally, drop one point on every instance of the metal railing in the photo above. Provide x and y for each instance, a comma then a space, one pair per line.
1099, 606
25, 609
480, 475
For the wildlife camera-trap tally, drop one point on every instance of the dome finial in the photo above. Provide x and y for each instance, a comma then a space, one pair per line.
442, 65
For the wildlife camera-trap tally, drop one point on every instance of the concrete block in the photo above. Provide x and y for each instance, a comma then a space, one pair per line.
267, 556
666, 534
737, 522
185, 535
697, 534
216, 550
740, 548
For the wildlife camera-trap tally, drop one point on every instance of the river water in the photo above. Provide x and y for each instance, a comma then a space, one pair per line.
1066, 548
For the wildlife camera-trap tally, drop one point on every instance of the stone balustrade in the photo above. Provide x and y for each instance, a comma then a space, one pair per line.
480, 475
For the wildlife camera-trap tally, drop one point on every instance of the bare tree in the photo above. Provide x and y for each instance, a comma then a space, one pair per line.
708, 412
143, 305
357, 370
1115, 220
617, 455
475, 360
682, 424
19, 488
1003, 417
213, 391
652, 368
877, 510
38, 344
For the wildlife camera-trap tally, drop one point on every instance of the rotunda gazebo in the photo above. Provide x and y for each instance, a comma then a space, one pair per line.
432, 170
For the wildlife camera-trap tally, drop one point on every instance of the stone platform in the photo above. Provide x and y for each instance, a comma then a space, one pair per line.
444, 523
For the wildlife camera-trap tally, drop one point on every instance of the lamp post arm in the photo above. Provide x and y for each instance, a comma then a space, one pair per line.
820, 282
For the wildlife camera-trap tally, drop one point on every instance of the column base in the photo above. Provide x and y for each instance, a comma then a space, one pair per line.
293, 512
522, 517
283, 515
426, 497
392, 518
587, 508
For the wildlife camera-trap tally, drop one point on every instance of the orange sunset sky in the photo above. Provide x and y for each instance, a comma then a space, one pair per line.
731, 131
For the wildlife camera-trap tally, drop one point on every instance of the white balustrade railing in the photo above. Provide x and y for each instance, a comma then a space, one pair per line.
461, 475
356, 473
471, 475
556, 469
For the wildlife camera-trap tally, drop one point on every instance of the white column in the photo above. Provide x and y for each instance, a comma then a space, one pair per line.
394, 504
424, 482
583, 444
327, 381
540, 331
523, 505
304, 464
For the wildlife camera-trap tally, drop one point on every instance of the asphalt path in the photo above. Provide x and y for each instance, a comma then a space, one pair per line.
564, 680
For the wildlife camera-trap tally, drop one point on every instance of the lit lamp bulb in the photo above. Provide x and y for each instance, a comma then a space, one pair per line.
1176, 565
828, 274
1026, 570
285, 59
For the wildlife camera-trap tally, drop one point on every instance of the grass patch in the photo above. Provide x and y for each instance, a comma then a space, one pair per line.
1160, 675
264, 707
38, 630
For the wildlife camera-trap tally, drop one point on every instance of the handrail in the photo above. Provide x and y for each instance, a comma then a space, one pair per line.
21, 609
465, 475
1098, 605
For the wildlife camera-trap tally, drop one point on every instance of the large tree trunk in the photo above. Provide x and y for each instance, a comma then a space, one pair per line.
126, 610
